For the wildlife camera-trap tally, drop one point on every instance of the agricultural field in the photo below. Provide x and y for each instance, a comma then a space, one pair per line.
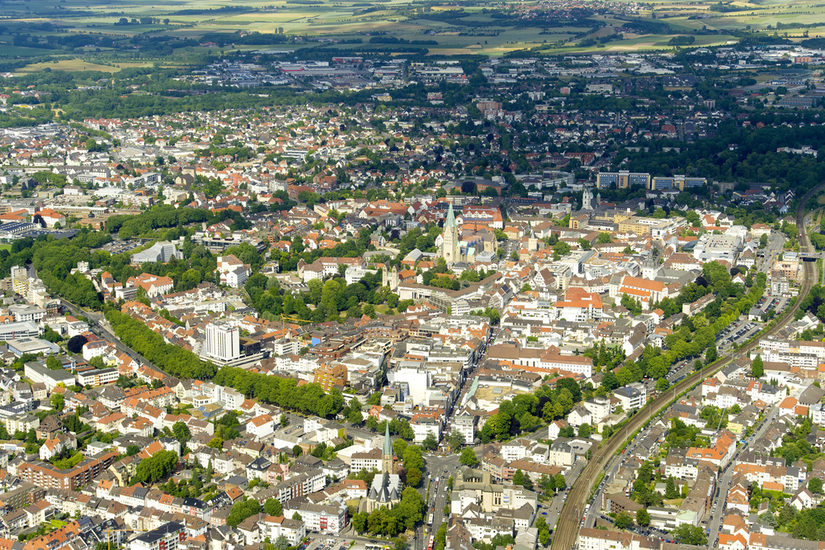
93, 35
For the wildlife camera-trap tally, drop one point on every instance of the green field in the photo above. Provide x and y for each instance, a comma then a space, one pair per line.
51, 35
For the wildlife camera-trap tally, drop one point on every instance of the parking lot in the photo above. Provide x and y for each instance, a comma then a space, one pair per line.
328, 544
737, 333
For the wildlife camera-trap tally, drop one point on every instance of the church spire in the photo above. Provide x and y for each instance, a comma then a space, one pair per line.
449, 244
387, 440
450, 217
386, 459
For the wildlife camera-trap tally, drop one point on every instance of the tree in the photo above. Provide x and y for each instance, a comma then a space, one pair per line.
623, 520
132, 450
560, 249
156, 467
359, 521
297, 450
560, 482
544, 530
757, 367
430, 442
76, 343
632, 305
413, 458
355, 416
440, 541
690, 534
398, 448
643, 517
469, 458
273, 507
455, 440
414, 477
297, 517
242, 510
53, 363
711, 354
670, 488
519, 478
815, 485
57, 401
181, 432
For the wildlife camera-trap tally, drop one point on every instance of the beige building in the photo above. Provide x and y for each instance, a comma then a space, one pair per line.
472, 486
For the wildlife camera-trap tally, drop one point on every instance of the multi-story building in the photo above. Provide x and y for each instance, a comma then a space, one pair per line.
622, 179
321, 518
676, 183
369, 460
331, 376
46, 475
223, 342
97, 377
600, 539
632, 396
166, 537
465, 424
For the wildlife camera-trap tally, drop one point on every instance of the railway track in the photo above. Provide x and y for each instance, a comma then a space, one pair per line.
567, 529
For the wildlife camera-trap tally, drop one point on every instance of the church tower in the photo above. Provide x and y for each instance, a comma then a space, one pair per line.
449, 245
587, 199
390, 278
386, 455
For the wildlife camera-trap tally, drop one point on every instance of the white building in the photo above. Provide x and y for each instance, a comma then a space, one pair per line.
321, 518
632, 396
166, 537
261, 426
422, 429
416, 379
599, 408
465, 424
232, 271
222, 342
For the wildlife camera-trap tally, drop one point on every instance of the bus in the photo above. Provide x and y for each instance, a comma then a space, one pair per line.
430, 544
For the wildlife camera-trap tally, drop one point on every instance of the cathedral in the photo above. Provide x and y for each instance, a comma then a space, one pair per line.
450, 245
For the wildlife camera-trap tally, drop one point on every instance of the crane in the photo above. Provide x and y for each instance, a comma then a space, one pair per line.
293, 319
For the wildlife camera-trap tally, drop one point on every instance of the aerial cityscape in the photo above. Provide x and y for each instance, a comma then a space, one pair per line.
412, 275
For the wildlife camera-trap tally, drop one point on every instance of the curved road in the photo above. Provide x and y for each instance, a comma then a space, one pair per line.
98, 321
568, 525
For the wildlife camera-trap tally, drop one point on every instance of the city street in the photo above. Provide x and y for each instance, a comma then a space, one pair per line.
724, 481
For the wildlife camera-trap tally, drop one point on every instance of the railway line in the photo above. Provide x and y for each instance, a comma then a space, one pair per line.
567, 529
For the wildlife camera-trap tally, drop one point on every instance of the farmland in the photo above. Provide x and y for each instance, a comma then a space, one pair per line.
81, 35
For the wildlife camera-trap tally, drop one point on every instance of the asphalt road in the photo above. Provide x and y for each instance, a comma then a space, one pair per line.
572, 514
99, 325
724, 481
